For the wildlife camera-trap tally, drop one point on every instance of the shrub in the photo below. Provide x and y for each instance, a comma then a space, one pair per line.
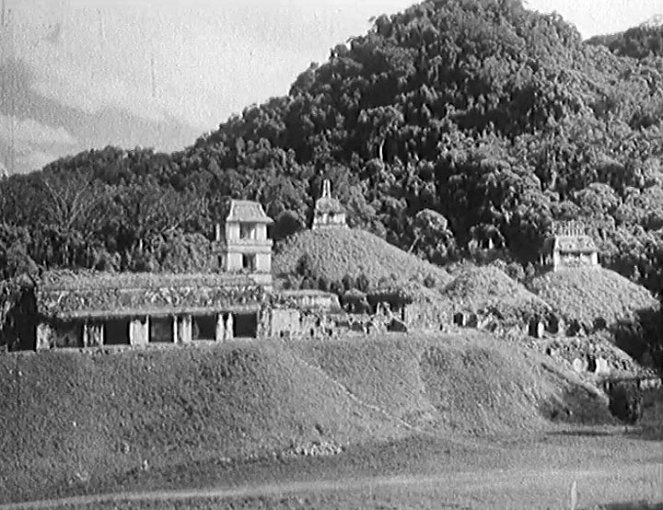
515, 271
323, 284
363, 283
626, 401
430, 281
304, 265
499, 264
348, 282
337, 288
308, 283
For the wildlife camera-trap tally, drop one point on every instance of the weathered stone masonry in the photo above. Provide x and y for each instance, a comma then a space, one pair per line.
86, 310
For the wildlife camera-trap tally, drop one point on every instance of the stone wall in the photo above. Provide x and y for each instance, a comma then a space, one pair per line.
297, 323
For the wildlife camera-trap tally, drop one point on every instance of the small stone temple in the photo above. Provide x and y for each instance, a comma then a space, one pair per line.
569, 247
328, 210
246, 248
93, 309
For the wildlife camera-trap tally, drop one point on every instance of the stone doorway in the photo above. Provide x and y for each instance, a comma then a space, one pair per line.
245, 325
116, 332
161, 330
204, 327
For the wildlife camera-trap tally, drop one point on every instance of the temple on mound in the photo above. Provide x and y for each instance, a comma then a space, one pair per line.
569, 247
93, 309
328, 210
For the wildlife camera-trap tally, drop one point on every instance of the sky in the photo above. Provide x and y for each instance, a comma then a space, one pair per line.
81, 74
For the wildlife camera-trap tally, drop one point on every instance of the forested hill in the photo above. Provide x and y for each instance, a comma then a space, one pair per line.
498, 118
643, 41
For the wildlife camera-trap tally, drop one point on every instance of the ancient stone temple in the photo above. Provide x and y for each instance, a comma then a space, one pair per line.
94, 309
569, 247
328, 210
246, 248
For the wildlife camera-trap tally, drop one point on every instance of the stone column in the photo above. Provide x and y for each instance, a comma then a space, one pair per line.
185, 330
229, 327
220, 328
44, 337
139, 331
175, 320
93, 334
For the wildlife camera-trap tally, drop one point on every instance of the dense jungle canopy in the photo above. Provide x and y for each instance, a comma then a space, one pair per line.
487, 119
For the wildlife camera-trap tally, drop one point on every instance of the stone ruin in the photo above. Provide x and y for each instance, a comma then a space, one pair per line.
569, 247
328, 210
93, 309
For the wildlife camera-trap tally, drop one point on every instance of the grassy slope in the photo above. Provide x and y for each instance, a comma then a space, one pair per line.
337, 251
73, 421
591, 293
481, 288
69, 418
466, 384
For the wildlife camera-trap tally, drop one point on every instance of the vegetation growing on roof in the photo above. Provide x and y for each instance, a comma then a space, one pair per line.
66, 293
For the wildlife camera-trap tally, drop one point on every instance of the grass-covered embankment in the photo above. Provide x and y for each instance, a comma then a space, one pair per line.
78, 422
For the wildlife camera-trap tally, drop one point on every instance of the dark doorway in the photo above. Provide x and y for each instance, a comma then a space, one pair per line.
161, 330
116, 332
204, 327
249, 262
245, 325
69, 334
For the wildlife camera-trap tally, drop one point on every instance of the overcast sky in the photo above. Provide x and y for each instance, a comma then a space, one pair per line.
159, 73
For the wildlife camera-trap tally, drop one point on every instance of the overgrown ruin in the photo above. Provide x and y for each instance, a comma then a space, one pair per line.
328, 210
569, 247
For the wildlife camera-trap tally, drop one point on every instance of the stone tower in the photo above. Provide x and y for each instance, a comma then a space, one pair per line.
247, 249
328, 210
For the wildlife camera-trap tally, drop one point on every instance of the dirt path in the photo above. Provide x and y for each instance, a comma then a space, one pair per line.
543, 488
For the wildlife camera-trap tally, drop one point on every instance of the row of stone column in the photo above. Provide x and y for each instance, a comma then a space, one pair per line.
93, 334
139, 329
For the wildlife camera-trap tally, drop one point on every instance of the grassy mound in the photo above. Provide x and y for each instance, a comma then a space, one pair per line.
469, 385
337, 251
489, 289
72, 420
590, 294
383, 373
79, 422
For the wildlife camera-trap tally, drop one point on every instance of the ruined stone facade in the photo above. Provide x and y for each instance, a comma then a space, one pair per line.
569, 247
94, 309
328, 210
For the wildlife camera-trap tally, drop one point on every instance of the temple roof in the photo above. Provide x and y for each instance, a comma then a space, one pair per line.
247, 211
326, 203
91, 280
67, 294
570, 244
329, 206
